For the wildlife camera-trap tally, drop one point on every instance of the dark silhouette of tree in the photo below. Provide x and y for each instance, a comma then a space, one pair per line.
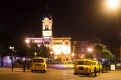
44, 51
108, 55
5, 41
99, 49
41, 51
89, 56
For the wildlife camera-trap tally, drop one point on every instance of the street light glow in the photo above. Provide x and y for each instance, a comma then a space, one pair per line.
110, 8
12, 48
35, 53
27, 40
90, 49
72, 54
113, 4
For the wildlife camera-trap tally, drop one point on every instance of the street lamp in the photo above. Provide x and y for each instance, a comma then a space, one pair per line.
72, 55
12, 49
89, 50
113, 4
35, 54
27, 41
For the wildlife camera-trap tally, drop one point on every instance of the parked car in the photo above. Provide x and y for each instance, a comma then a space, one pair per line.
39, 64
69, 64
87, 67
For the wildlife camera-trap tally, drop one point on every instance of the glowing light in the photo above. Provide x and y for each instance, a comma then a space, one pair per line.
57, 49
90, 49
51, 52
27, 40
66, 49
113, 4
72, 54
55, 57
47, 33
11, 48
35, 53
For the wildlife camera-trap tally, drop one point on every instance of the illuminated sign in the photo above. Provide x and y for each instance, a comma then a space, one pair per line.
47, 33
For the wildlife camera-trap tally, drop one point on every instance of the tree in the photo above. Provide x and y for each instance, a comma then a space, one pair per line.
108, 55
99, 48
44, 51
5, 42
41, 51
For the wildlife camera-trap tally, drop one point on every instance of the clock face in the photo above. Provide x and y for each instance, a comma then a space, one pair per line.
47, 33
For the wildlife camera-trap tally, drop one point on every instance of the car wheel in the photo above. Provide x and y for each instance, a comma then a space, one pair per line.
75, 73
90, 73
44, 71
32, 70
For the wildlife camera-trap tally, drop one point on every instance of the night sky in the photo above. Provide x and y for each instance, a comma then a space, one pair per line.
80, 19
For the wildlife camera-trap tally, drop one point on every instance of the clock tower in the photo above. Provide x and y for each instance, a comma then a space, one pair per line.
47, 27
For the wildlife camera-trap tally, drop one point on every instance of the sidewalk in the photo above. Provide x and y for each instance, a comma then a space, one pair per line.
14, 69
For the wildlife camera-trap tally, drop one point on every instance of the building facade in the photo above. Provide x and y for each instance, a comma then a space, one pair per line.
60, 47
80, 48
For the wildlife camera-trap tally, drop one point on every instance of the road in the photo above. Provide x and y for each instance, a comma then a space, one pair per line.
54, 74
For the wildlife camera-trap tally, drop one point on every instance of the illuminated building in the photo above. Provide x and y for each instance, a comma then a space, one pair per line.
80, 48
59, 46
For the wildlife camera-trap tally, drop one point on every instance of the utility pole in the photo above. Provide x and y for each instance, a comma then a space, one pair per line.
12, 49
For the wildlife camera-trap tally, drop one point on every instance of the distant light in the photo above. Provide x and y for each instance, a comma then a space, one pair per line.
35, 53
103, 60
55, 57
12, 48
72, 54
90, 49
51, 52
27, 40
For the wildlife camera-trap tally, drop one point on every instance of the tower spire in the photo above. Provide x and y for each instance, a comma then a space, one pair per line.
47, 8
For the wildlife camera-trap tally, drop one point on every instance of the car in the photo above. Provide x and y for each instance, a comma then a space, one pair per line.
39, 64
87, 67
69, 64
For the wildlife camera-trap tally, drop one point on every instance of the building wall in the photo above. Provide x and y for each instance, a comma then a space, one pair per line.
79, 48
61, 47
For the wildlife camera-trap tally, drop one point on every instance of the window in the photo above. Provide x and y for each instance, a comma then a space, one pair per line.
83, 63
38, 60
46, 27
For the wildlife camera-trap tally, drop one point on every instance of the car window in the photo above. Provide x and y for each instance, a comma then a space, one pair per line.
83, 63
38, 60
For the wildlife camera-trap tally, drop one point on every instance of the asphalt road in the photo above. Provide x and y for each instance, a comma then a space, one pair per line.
54, 74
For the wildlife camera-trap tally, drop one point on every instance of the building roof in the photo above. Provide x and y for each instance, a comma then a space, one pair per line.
48, 15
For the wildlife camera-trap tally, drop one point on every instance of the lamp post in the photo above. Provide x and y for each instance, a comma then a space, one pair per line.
72, 56
12, 49
114, 6
27, 41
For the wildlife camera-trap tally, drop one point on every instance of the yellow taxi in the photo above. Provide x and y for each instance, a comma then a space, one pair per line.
69, 64
39, 64
87, 67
